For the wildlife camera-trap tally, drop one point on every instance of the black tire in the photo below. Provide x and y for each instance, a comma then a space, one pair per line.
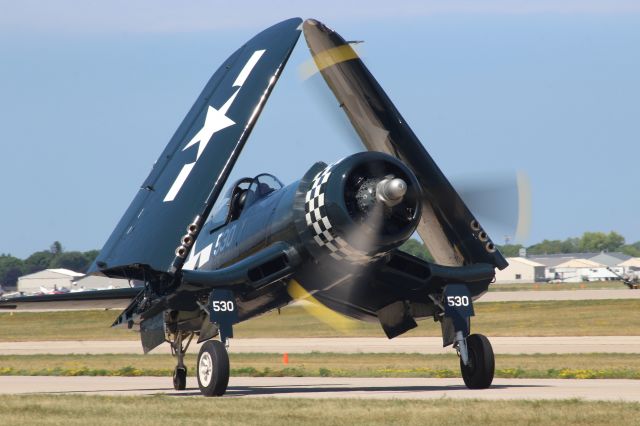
180, 378
479, 373
213, 368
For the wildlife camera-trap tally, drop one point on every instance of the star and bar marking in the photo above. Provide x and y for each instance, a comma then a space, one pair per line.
215, 120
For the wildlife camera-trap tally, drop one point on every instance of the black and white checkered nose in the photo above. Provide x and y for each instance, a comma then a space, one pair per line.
320, 225
360, 207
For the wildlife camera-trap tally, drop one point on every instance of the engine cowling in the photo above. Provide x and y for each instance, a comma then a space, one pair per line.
358, 208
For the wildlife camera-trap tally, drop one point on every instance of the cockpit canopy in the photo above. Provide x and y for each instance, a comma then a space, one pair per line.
241, 194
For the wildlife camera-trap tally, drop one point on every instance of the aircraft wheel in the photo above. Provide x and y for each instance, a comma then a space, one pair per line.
479, 373
180, 378
213, 368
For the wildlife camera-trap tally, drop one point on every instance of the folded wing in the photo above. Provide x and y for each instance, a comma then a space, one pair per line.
187, 178
448, 228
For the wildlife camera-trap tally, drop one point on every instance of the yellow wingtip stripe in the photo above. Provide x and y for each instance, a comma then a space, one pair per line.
335, 55
327, 58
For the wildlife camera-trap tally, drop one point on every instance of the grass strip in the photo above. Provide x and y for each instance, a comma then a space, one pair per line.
541, 318
551, 366
154, 410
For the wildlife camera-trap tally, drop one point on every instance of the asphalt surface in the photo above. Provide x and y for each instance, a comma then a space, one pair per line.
332, 387
425, 345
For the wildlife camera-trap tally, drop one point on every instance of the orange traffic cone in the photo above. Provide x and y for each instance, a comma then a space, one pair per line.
285, 358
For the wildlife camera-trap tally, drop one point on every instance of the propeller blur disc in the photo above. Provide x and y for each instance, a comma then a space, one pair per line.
316, 309
501, 202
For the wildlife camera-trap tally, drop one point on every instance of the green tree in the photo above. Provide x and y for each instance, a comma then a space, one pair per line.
56, 248
417, 249
74, 260
631, 250
614, 241
10, 269
38, 261
570, 245
547, 247
91, 255
510, 250
599, 241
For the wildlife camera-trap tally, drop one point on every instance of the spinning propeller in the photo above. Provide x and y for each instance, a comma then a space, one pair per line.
448, 226
502, 201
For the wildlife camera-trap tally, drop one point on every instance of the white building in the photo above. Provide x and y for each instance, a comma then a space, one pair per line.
98, 282
58, 279
580, 270
630, 268
521, 270
629, 265
49, 278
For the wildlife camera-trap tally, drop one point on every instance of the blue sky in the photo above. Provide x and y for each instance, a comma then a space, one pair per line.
90, 93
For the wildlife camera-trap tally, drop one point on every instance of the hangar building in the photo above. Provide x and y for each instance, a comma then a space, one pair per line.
521, 270
59, 279
49, 279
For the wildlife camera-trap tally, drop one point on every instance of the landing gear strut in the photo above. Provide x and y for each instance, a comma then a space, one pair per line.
213, 368
478, 370
477, 362
178, 350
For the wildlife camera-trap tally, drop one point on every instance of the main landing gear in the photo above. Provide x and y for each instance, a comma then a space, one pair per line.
213, 368
477, 362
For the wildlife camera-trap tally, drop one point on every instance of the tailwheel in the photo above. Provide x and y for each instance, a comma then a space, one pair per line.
213, 368
478, 373
180, 378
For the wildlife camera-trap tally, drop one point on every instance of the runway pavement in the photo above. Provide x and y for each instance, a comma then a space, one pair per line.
425, 345
332, 387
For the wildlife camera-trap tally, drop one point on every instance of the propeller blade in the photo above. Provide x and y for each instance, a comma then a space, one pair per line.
502, 202
316, 309
330, 111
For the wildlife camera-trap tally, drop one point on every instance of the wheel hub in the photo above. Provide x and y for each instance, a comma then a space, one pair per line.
205, 368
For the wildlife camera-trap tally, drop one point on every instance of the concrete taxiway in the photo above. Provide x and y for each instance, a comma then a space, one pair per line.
424, 345
333, 387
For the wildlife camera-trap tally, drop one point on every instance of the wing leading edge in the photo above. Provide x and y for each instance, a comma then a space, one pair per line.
187, 178
117, 298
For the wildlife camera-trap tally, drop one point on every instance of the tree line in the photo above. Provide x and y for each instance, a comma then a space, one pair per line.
55, 257
589, 242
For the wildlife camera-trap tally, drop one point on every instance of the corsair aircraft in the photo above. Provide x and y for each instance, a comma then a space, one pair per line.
210, 259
